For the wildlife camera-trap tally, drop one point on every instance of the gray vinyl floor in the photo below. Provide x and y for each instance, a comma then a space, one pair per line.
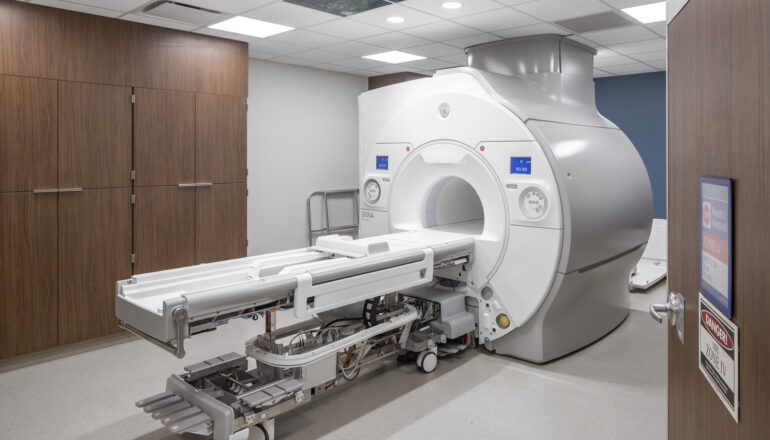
613, 389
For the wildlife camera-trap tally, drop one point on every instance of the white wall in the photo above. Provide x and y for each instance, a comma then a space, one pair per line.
302, 137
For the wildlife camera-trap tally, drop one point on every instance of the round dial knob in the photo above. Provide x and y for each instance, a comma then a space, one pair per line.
533, 203
371, 191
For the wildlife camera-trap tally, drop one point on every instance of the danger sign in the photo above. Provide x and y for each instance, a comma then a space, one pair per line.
718, 354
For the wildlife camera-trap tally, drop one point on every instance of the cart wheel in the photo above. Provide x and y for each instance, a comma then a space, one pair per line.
427, 361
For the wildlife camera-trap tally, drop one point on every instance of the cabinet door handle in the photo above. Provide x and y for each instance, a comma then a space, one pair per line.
70, 190
194, 185
44, 191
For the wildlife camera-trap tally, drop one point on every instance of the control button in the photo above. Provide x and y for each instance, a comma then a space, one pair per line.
533, 202
372, 191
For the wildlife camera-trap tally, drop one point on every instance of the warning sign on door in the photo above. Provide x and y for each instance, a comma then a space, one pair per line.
718, 341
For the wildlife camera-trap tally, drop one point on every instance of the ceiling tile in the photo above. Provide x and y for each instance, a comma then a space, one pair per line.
582, 40
223, 34
600, 73
305, 38
395, 40
603, 52
657, 44
275, 47
295, 61
139, 18
620, 4
347, 29
441, 31
658, 64
231, 6
650, 56
434, 7
463, 43
543, 28
659, 28
261, 54
320, 56
429, 64
354, 49
612, 61
360, 63
115, 5
621, 35
514, 2
552, 10
78, 7
391, 68
628, 69
497, 19
289, 14
378, 16
435, 50
457, 60
364, 72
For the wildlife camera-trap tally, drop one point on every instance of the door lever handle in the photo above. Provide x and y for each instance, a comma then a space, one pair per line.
674, 308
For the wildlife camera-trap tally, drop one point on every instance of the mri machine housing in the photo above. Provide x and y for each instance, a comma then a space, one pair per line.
447, 146
497, 204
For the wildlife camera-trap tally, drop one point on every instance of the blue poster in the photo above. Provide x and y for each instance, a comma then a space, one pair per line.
716, 242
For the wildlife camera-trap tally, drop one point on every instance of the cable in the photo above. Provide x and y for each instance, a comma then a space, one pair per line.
264, 431
334, 321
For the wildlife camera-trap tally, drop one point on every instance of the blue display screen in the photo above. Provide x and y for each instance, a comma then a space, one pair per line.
382, 162
521, 165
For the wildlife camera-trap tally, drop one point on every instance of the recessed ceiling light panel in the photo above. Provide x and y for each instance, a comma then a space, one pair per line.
451, 5
250, 27
651, 13
393, 57
395, 20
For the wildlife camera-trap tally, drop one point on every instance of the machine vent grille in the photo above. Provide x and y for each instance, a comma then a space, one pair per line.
596, 22
184, 13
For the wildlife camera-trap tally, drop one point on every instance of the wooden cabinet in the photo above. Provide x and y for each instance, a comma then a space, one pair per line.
164, 228
221, 222
27, 133
28, 280
94, 252
164, 137
220, 139
94, 135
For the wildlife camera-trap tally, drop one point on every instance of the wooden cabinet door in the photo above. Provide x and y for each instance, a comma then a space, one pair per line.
221, 222
94, 253
28, 298
164, 228
164, 137
27, 133
94, 135
220, 140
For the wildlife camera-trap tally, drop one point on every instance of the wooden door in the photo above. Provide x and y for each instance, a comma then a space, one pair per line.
220, 141
94, 253
719, 114
164, 228
94, 135
27, 133
28, 298
221, 222
164, 137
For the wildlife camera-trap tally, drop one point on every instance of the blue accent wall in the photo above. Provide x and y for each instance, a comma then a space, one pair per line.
637, 104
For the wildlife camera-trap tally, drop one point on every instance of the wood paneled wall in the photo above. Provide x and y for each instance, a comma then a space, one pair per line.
104, 123
43, 42
375, 82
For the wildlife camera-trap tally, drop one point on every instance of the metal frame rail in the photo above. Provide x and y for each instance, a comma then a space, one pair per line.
325, 205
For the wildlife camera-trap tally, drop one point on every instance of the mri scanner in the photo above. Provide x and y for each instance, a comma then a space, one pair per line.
498, 209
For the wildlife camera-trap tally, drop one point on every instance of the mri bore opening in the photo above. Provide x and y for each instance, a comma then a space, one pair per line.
453, 205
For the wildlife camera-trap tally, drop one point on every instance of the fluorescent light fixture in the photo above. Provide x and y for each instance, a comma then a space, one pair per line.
395, 20
250, 27
650, 13
393, 57
451, 5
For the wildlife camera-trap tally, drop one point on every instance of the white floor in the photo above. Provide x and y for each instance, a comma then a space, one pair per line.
613, 389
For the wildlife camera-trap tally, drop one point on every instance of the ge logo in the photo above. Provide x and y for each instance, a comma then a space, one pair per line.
444, 109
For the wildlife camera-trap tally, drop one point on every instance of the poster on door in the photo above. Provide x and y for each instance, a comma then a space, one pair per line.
716, 226
718, 353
